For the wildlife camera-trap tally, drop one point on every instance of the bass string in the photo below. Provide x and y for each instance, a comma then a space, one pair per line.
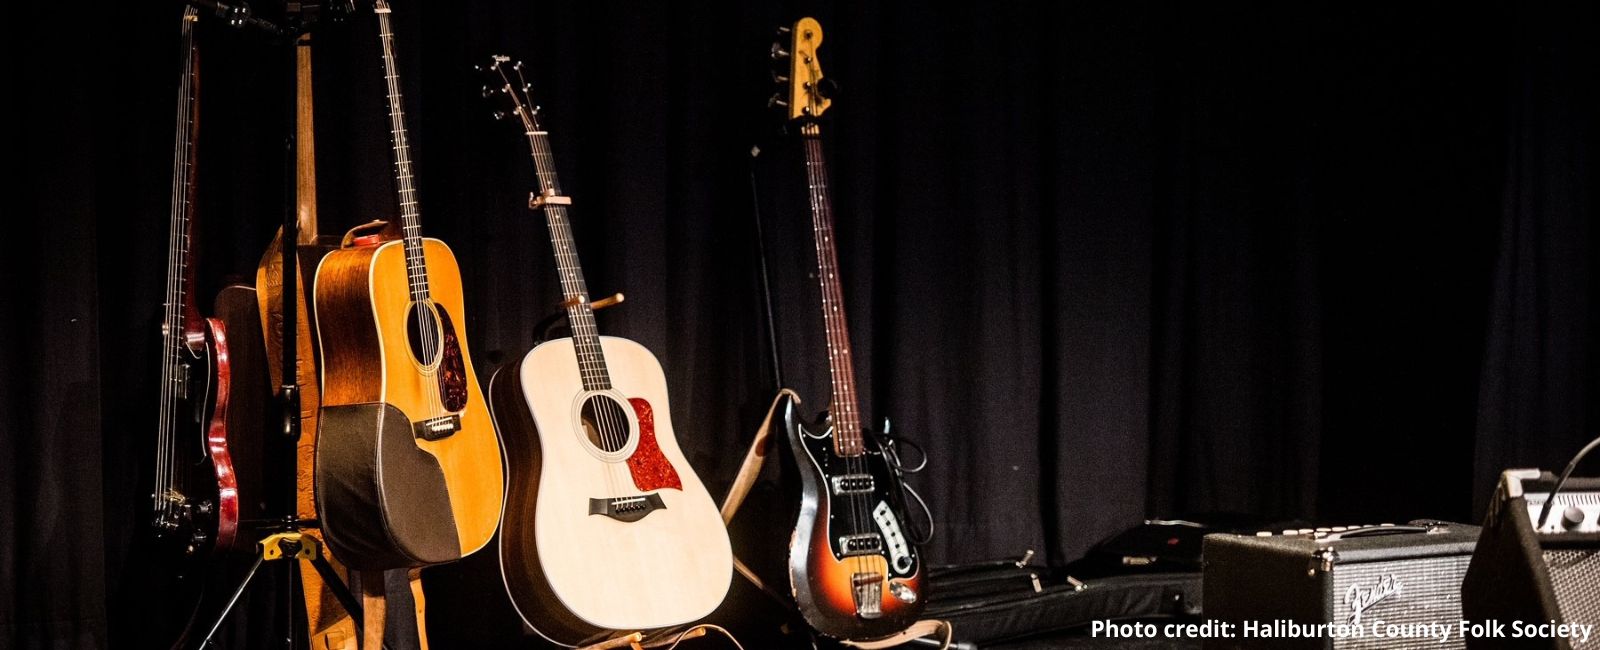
171, 325
843, 415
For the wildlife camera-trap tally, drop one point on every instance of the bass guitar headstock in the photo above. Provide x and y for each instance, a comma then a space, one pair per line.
803, 93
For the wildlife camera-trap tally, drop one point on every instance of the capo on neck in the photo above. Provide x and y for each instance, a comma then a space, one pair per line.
537, 200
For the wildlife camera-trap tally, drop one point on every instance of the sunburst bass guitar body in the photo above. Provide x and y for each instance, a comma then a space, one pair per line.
854, 571
408, 463
606, 527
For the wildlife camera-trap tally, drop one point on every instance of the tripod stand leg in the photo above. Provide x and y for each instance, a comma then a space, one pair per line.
232, 600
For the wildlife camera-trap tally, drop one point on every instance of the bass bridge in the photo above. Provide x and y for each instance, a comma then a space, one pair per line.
867, 587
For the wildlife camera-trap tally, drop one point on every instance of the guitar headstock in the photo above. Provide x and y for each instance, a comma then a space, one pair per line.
803, 92
507, 90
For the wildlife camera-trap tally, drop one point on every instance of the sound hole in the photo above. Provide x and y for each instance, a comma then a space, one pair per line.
422, 332
605, 423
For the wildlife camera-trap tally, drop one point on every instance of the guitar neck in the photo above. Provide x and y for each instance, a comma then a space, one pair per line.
844, 411
405, 187
580, 314
181, 327
183, 315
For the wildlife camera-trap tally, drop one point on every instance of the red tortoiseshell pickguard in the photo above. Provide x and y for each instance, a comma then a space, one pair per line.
650, 469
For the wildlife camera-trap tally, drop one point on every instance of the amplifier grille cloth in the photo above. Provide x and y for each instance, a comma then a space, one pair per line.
1575, 573
1430, 592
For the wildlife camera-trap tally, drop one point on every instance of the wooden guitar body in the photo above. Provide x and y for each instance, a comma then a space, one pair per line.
606, 525
873, 588
408, 463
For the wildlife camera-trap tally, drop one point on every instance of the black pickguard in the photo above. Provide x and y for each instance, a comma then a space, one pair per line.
812, 444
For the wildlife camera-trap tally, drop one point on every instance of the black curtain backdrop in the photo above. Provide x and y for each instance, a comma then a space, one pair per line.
1104, 261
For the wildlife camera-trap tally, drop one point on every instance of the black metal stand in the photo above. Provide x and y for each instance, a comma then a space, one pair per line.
285, 539
291, 546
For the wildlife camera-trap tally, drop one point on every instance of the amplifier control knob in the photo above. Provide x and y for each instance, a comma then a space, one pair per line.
1572, 518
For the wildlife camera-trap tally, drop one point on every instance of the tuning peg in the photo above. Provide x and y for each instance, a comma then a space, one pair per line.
776, 100
499, 115
778, 78
486, 91
782, 30
778, 52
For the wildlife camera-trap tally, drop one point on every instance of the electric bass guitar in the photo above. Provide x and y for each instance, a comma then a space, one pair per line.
606, 526
408, 465
854, 568
194, 503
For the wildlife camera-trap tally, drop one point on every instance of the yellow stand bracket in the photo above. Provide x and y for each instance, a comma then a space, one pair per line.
293, 545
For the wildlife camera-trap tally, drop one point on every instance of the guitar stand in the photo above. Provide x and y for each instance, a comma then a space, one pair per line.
293, 545
642, 641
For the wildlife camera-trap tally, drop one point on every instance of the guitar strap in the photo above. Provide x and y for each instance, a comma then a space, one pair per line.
751, 469
919, 629
748, 472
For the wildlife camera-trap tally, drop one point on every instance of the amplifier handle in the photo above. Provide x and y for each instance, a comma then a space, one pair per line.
1371, 531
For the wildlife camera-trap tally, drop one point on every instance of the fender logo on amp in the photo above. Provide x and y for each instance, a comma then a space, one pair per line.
1360, 598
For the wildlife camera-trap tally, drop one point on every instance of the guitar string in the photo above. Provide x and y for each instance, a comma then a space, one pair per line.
429, 322
847, 421
553, 219
580, 316
169, 357
416, 261
833, 366
847, 402
171, 327
586, 337
610, 432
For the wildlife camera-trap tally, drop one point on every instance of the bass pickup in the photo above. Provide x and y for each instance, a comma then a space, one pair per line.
846, 484
860, 544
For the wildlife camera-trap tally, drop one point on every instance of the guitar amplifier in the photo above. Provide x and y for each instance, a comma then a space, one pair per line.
1348, 587
1537, 586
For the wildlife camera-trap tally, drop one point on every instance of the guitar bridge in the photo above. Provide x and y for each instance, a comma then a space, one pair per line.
627, 508
868, 592
862, 544
437, 428
852, 484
